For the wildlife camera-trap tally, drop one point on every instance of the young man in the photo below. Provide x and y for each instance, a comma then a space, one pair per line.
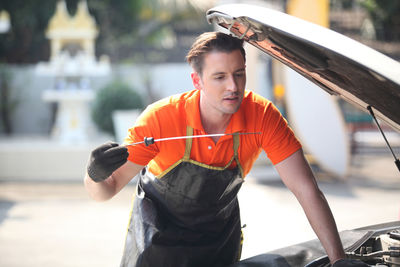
186, 212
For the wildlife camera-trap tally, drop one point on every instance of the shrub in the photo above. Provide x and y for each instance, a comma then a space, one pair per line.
114, 96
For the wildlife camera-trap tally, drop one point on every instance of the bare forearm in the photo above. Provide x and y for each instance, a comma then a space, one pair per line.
101, 191
112, 185
321, 220
298, 177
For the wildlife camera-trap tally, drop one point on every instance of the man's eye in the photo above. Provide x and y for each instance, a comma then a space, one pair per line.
240, 74
219, 77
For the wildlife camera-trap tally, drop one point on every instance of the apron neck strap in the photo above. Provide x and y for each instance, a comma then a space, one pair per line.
236, 142
188, 148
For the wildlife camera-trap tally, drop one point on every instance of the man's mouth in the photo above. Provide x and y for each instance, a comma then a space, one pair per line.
231, 98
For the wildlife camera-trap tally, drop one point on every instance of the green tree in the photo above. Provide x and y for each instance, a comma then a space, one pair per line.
8, 102
385, 15
128, 28
25, 42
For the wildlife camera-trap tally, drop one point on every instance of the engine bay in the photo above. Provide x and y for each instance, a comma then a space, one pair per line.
382, 250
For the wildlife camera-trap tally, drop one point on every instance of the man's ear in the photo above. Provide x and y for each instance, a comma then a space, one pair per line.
196, 80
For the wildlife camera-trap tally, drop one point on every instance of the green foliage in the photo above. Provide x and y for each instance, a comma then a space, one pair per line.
8, 103
385, 15
126, 27
26, 42
115, 96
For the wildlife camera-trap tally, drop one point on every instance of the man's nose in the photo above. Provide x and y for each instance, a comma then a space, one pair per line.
232, 84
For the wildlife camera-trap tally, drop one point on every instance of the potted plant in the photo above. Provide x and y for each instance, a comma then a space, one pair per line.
114, 97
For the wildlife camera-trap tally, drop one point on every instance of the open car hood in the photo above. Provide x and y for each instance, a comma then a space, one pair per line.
381, 237
337, 64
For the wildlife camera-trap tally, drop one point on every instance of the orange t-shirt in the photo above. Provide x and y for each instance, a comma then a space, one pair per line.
170, 116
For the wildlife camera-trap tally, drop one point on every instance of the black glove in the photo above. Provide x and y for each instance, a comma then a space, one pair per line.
349, 263
105, 159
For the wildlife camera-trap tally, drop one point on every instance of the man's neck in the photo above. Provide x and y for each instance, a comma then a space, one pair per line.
213, 120
213, 126
214, 123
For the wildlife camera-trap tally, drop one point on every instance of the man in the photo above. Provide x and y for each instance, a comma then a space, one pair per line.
186, 212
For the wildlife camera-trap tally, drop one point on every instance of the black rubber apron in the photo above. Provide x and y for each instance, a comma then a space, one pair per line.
188, 216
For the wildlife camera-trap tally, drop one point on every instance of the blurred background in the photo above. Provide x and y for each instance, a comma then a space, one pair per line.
74, 74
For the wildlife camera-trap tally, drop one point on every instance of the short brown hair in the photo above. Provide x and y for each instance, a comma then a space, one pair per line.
212, 41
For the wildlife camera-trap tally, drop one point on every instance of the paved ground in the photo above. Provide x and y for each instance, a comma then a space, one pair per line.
56, 224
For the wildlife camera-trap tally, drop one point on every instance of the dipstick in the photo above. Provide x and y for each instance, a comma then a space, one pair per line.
150, 140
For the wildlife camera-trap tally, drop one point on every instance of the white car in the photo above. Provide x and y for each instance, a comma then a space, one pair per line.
342, 67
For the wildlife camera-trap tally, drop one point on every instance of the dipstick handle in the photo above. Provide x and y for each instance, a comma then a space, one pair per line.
148, 141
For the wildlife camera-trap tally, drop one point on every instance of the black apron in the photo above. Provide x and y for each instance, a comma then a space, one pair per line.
186, 217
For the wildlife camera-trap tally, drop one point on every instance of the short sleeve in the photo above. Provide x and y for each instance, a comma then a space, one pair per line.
279, 141
146, 125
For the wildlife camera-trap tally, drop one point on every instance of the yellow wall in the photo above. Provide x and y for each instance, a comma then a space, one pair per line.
316, 11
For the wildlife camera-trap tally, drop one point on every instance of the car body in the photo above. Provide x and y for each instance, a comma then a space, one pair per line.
342, 67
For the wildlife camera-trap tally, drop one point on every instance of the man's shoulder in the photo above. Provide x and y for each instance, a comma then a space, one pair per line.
252, 99
166, 111
173, 102
255, 105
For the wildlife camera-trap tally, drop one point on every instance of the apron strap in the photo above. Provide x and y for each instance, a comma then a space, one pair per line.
236, 143
188, 147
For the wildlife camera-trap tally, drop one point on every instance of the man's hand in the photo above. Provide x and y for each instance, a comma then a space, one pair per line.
105, 159
349, 263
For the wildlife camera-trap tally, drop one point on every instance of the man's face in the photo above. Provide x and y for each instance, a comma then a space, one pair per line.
222, 82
